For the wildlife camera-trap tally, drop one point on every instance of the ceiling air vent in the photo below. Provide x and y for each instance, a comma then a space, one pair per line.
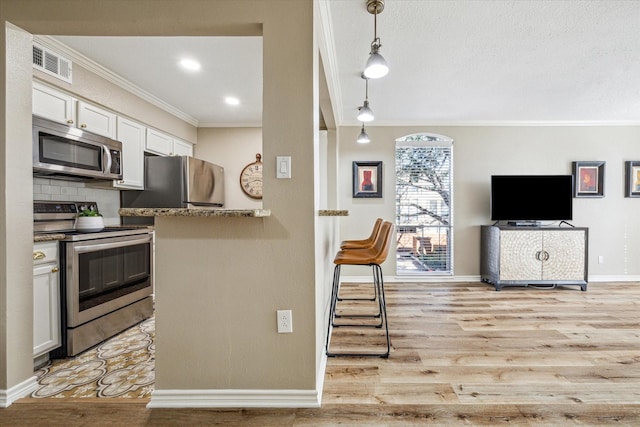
51, 63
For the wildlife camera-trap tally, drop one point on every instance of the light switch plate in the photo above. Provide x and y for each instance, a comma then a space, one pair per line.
283, 166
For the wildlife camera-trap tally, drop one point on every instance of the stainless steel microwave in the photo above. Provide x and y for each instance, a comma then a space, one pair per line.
65, 152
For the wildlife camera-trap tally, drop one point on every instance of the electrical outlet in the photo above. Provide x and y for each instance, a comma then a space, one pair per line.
285, 322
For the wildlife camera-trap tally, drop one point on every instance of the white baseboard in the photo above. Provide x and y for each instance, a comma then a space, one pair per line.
464, 279
412, 279
25, 388
613, 278
235, 399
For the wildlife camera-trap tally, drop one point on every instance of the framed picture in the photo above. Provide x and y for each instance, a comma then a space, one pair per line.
588, 179
367, 179
632, 179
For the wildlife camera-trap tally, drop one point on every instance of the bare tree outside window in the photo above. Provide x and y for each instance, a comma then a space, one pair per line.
423, 204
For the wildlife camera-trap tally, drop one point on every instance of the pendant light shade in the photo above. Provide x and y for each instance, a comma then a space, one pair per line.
363, 138
376, 65
365, 114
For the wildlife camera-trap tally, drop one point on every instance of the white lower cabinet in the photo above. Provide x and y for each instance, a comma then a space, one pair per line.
46, 298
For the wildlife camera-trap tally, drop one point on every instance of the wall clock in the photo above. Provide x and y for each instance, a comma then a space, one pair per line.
251, 178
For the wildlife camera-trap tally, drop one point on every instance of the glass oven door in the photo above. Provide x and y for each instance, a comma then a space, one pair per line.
106, 274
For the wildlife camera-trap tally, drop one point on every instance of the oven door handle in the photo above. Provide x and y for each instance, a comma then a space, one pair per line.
107, 154
111, 245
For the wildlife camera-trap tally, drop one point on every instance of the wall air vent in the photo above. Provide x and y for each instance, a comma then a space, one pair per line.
51, 63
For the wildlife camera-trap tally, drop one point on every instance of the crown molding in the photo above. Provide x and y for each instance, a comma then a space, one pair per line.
105, 73
230, 125
498, 123
326, 45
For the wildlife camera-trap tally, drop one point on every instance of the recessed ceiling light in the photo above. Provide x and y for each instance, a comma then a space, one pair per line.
190, 64
231, 100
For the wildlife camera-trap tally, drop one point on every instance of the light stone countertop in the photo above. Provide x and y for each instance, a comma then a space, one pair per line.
333, 212
49, 237
196, 212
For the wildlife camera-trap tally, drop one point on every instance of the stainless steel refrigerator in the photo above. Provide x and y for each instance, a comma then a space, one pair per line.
176, 182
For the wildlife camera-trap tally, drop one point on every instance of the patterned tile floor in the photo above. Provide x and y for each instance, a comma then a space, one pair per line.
122, 366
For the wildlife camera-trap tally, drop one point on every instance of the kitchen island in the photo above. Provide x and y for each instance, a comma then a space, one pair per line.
216, 306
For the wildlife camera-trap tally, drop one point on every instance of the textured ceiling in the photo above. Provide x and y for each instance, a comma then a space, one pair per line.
493, 61
451, 62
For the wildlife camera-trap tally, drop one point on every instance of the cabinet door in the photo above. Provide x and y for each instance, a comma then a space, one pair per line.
159, 143
96, 120
565, 255
46, 308
133, 136
53, 105
518, 250
182, 148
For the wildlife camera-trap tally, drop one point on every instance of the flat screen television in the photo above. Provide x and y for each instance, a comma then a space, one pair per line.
531, 197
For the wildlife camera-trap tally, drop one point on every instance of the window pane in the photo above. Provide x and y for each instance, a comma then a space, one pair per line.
423, 207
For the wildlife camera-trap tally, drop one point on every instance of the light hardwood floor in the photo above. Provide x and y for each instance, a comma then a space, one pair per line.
462, 354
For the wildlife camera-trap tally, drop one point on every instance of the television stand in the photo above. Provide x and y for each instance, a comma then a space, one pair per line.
528, 256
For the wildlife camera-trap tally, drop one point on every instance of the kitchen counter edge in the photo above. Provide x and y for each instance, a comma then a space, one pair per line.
333, 212
195, 212
49, 237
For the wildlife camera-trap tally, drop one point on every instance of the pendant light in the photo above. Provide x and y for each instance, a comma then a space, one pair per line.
376, 65
363, 138
365, 113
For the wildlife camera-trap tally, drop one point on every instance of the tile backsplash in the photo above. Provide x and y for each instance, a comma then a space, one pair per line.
52, 189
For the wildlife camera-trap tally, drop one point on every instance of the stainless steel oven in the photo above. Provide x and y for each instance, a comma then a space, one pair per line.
106, 279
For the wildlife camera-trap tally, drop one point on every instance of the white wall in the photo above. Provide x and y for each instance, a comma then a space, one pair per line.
481, 151
233, 149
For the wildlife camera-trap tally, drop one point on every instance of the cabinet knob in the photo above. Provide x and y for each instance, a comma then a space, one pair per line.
121, 181
38, 255
83, 126
55, 269
70, 121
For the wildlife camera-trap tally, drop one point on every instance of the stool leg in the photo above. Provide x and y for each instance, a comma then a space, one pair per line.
379, 285
362, 316
383, 302
332, 303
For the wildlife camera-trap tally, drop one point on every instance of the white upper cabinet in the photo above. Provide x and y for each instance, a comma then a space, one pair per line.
159, 143
96, 120
61, 107
166, 145
133, 137
182, 148
53, 105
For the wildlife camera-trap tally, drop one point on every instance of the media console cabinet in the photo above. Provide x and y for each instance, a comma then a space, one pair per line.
543, 256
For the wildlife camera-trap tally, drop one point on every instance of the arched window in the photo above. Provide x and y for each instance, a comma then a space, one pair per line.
424, 218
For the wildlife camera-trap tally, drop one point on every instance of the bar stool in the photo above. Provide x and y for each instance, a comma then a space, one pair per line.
373, 257
363, 244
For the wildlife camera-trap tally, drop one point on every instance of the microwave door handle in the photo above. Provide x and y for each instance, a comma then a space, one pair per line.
109, 160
